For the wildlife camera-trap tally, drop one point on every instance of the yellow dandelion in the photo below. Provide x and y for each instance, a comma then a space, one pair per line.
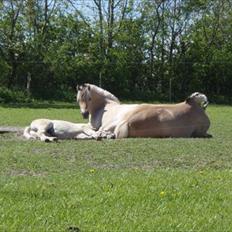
92, 170
162, 194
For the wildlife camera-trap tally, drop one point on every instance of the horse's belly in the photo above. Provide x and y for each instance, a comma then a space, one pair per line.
160, 132
156, 128
150, 132
65, 130
61, 134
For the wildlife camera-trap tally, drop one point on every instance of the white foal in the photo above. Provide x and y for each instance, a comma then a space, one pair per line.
50, 130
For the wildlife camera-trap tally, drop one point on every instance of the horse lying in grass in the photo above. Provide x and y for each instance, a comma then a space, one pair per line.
185, 119
51, 130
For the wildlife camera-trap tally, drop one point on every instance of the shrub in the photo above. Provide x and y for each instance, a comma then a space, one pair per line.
13, 96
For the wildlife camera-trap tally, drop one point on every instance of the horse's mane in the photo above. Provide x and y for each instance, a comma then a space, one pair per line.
105, 93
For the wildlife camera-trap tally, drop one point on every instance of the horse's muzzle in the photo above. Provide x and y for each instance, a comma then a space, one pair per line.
85, 114
205, 104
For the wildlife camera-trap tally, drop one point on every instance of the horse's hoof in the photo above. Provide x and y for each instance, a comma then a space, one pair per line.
98, 138
209, 136
112, 136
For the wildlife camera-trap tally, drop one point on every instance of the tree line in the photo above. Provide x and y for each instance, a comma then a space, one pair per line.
147, 49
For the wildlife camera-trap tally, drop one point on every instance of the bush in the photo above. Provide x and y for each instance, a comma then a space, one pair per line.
220, 99
13, 96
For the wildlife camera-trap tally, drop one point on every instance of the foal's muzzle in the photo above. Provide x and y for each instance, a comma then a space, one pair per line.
85, 114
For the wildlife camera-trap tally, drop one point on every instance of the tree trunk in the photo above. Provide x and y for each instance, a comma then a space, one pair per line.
110, 23
13, 72
101, 36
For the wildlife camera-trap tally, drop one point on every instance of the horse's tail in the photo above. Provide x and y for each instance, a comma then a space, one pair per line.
26, 132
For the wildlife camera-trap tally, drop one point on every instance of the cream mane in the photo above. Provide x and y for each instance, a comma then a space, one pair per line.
105, 93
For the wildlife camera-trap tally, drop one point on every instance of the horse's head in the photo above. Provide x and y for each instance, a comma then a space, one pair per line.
199, 98
84, 99
91, 98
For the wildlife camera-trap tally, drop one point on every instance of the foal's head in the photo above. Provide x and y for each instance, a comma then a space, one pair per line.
91, 98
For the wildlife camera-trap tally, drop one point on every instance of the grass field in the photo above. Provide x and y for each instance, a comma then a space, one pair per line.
114, 185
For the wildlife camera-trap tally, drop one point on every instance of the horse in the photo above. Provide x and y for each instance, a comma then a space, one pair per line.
107, 114
51, 130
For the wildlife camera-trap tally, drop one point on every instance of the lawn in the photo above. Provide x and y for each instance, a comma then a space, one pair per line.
114, 185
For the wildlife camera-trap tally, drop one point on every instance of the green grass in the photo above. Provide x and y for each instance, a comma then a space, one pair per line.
115, 185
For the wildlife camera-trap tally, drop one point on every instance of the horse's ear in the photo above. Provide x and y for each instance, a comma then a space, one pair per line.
86, 85
79, 87
188, 99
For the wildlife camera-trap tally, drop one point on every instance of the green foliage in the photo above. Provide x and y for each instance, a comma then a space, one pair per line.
5, 70
134, 49
17, 96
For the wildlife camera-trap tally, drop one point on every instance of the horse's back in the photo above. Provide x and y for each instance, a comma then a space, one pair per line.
41, 124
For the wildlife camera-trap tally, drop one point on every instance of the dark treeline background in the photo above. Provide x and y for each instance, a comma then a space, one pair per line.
147, 49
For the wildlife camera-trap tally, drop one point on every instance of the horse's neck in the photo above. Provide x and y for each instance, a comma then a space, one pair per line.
96, 118
102, 99
97, 105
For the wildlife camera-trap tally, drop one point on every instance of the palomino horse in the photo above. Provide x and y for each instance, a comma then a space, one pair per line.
185, 119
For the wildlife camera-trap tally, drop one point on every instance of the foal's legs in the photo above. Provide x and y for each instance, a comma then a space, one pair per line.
42, 134
39, 134
40, 130
89, 133
83, 136
86, 133
104, 134
29, 134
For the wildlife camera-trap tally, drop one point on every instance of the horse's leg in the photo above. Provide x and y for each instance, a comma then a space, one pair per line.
122, 130
104, 134
86, 133
201, 135
34, 134
28, 133
83, 136
42, 132
89, 133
